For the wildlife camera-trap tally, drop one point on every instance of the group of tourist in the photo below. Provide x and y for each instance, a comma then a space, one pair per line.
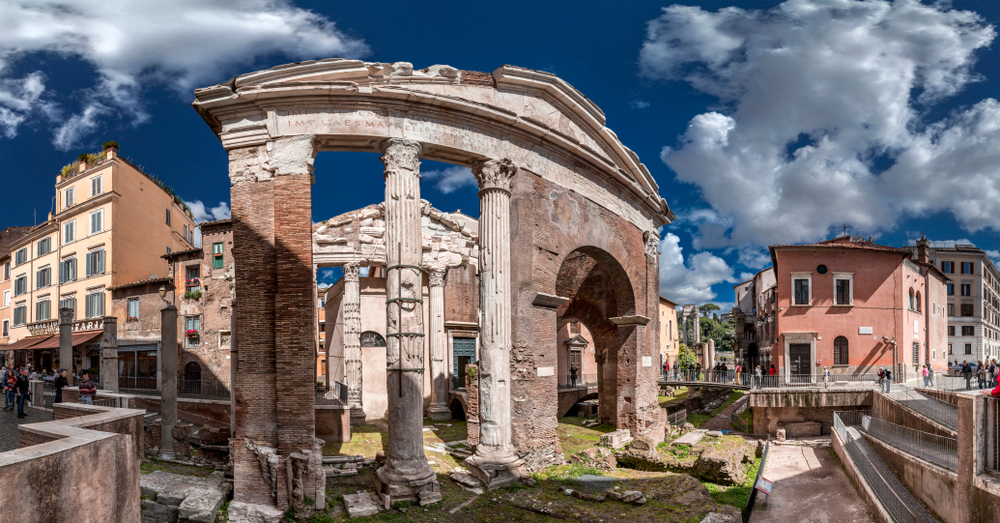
16, 385
984, 372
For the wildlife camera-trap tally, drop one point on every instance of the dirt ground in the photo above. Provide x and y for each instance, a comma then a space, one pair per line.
809, 487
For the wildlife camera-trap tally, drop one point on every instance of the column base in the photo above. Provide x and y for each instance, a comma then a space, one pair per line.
393, 487
357, 416
439, 412
240, 512
495, 471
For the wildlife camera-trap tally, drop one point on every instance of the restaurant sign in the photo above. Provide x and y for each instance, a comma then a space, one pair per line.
52, 326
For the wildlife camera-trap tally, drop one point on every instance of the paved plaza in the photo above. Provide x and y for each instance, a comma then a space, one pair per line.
9, 422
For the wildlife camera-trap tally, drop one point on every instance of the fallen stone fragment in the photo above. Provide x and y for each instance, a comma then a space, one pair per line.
359, 505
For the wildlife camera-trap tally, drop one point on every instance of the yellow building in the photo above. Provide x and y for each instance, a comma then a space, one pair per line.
112, 225
670, 342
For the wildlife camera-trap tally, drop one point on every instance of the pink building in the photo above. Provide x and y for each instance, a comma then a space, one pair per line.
853, 306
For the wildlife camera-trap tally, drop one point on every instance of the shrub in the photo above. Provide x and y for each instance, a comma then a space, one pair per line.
110, 144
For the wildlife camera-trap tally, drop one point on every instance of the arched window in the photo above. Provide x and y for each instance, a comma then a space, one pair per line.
372, 339
912, 301
840, 351
917, 308
192, 378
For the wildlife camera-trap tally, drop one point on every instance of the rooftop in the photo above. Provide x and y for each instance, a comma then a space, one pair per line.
140, 282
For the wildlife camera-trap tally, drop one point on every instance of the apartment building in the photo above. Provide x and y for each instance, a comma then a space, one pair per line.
7, 236
754, 319
110, 226
973, 298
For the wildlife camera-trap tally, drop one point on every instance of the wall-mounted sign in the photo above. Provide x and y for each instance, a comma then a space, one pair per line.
647, 361
52, 326
864, 330
546, 371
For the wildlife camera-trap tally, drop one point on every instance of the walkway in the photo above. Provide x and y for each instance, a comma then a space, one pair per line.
724, 420
935, 409
9, 422
808, 487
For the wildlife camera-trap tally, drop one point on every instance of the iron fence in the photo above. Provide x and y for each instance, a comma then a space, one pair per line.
748, 508
940, 411
750, 380
580, 380
341, 391
876, 480
140, 385
993, 434
924, 445
209, 389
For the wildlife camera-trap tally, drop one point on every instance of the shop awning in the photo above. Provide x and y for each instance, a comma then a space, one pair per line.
52, 341
30, 342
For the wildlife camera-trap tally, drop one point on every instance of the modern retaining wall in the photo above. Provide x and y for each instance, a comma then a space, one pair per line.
886, 409
774, 407
853, 472
82, 467
937, 487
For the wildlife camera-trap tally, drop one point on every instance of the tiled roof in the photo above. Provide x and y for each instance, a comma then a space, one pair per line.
140, 282
216, 222
180, 253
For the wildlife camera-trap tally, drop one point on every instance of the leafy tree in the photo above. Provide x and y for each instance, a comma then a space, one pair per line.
685, 357
707, 308
722, 333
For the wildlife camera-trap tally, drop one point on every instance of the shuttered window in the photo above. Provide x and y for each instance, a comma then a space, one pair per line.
96, 186
67, 270
94, 307
43, 310
68, 303
217, 261
43, 278
20, 285
69, 232
96, 221
95, 262
20, 315
44, 246
70, 197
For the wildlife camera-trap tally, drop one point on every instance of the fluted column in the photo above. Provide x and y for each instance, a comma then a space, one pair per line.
438, 409
494, 461
406, 474
352, 341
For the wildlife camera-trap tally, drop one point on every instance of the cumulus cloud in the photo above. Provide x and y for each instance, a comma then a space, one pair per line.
820, 118
639, 104
203, 214
451, 179
691, 281
182, 44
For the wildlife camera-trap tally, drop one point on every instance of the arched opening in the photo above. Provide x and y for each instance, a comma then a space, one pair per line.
192, 378
917, 304
913, 306
598, 290
457, 410
753, 356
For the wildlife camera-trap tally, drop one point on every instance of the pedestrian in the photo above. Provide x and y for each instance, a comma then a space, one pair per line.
666, 370
967, 373
980, 374
888, 381
10, 379
826, 377
738, 368
993, 373
572, 376
757, 378
923, 371
22, 389
87, 388
930, 376
60, 382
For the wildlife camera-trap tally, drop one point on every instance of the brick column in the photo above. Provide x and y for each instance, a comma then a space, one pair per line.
494, 462
109, 355
406, 474
352, 341
66, 343
168, 380
438, 409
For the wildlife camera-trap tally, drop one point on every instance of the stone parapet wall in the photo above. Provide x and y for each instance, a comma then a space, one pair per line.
885, 409
935, 486
99, 445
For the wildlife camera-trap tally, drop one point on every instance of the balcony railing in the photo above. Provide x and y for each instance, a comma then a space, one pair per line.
580, 380
208, 389
749, 380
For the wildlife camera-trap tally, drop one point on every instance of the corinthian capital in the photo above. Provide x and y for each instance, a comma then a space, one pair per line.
351, 271
436, 277
494, 174
401, 154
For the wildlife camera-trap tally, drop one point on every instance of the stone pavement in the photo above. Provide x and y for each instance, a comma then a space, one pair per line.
808, 487
723, 421
9, 422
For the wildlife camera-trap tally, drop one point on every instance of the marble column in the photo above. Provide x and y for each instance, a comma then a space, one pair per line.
109, 355
406, 474
66, 343
438, 409
168, 380
352, 341
494, 462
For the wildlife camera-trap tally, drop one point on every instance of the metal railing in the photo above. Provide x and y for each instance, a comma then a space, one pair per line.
580, 380
924, 445
678, 418
140, 385
944, 413
878, 482
341, 391
748, 508
993, 434
749, 380
211, 389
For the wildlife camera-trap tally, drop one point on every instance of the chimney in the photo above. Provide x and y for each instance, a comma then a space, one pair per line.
923, 250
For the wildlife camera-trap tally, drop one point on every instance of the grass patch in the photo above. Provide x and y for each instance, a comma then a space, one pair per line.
574, 437
700, 418
680, 394
735, 495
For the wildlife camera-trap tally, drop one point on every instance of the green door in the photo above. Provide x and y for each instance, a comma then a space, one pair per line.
464, 353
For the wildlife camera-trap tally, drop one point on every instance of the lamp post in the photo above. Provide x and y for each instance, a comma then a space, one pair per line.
168, 383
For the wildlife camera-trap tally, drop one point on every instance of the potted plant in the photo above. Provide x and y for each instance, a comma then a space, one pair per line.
192, 295
110, 145
132, 319
191, 333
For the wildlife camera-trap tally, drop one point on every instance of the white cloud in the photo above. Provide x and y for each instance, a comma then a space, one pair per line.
131, 45
451, 179
690, 282
639, 104
203, 214
816, 98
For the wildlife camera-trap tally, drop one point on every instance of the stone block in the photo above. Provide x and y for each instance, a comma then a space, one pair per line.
805, 428
360, 505
153, 512
643, 442
200, 506
780, 435
250, 513
616, 439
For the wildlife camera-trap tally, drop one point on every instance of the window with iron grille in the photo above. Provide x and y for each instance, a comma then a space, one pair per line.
840, 351
843, 288
916, 352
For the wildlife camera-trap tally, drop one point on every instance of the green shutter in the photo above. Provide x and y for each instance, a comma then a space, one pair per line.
217, 256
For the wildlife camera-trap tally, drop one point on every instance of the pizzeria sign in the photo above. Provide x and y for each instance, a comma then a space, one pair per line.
52, 326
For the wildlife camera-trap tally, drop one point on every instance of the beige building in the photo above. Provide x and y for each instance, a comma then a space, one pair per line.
112, 223
670, 342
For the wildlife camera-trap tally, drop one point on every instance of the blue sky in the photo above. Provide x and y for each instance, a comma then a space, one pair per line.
763, 122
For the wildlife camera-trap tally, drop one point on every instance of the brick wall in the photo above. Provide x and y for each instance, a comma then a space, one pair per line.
461, 295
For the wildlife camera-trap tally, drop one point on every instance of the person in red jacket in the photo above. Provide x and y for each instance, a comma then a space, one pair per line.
87, 389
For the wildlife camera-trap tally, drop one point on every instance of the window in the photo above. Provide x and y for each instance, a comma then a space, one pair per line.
951, 330
168, 216
217, 261
133, 309
44, 246
185, 232
69, 197
192, 330
966, 289
967, 268
6, 271
21, 256
967, 309
67, 270
842, 289
96, 186
913, 301
948, 267
951, 309
968, 348
951, 289
20, 315
574, 327
69, 303
69, 232
42, 310
372, 339
193, 280
95, 262
168, 250
97, 221
6, 298
43, 278
949, 350
918, 307
6, 329
94, 306
840, 351
968, 330
801, 292
916, 352
21, 285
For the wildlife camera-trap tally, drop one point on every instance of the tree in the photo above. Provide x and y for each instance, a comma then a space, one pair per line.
707, 308
685, 357
722, 333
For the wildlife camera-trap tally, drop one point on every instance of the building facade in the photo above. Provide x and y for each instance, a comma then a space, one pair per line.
7, 236
754, 319
110, 224
973, 298
670, 343
852, 306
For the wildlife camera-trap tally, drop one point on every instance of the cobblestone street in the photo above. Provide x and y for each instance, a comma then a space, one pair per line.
9, 422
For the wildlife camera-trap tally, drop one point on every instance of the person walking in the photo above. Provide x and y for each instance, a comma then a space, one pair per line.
87, 388
967, 373
10, 379
22, 391
59, 383
923, 370
757, 377
993, 373
826, 377
980, 374
888, 381
930, 376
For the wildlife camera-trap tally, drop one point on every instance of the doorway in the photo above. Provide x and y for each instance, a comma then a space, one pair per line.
799, 361
464, 353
